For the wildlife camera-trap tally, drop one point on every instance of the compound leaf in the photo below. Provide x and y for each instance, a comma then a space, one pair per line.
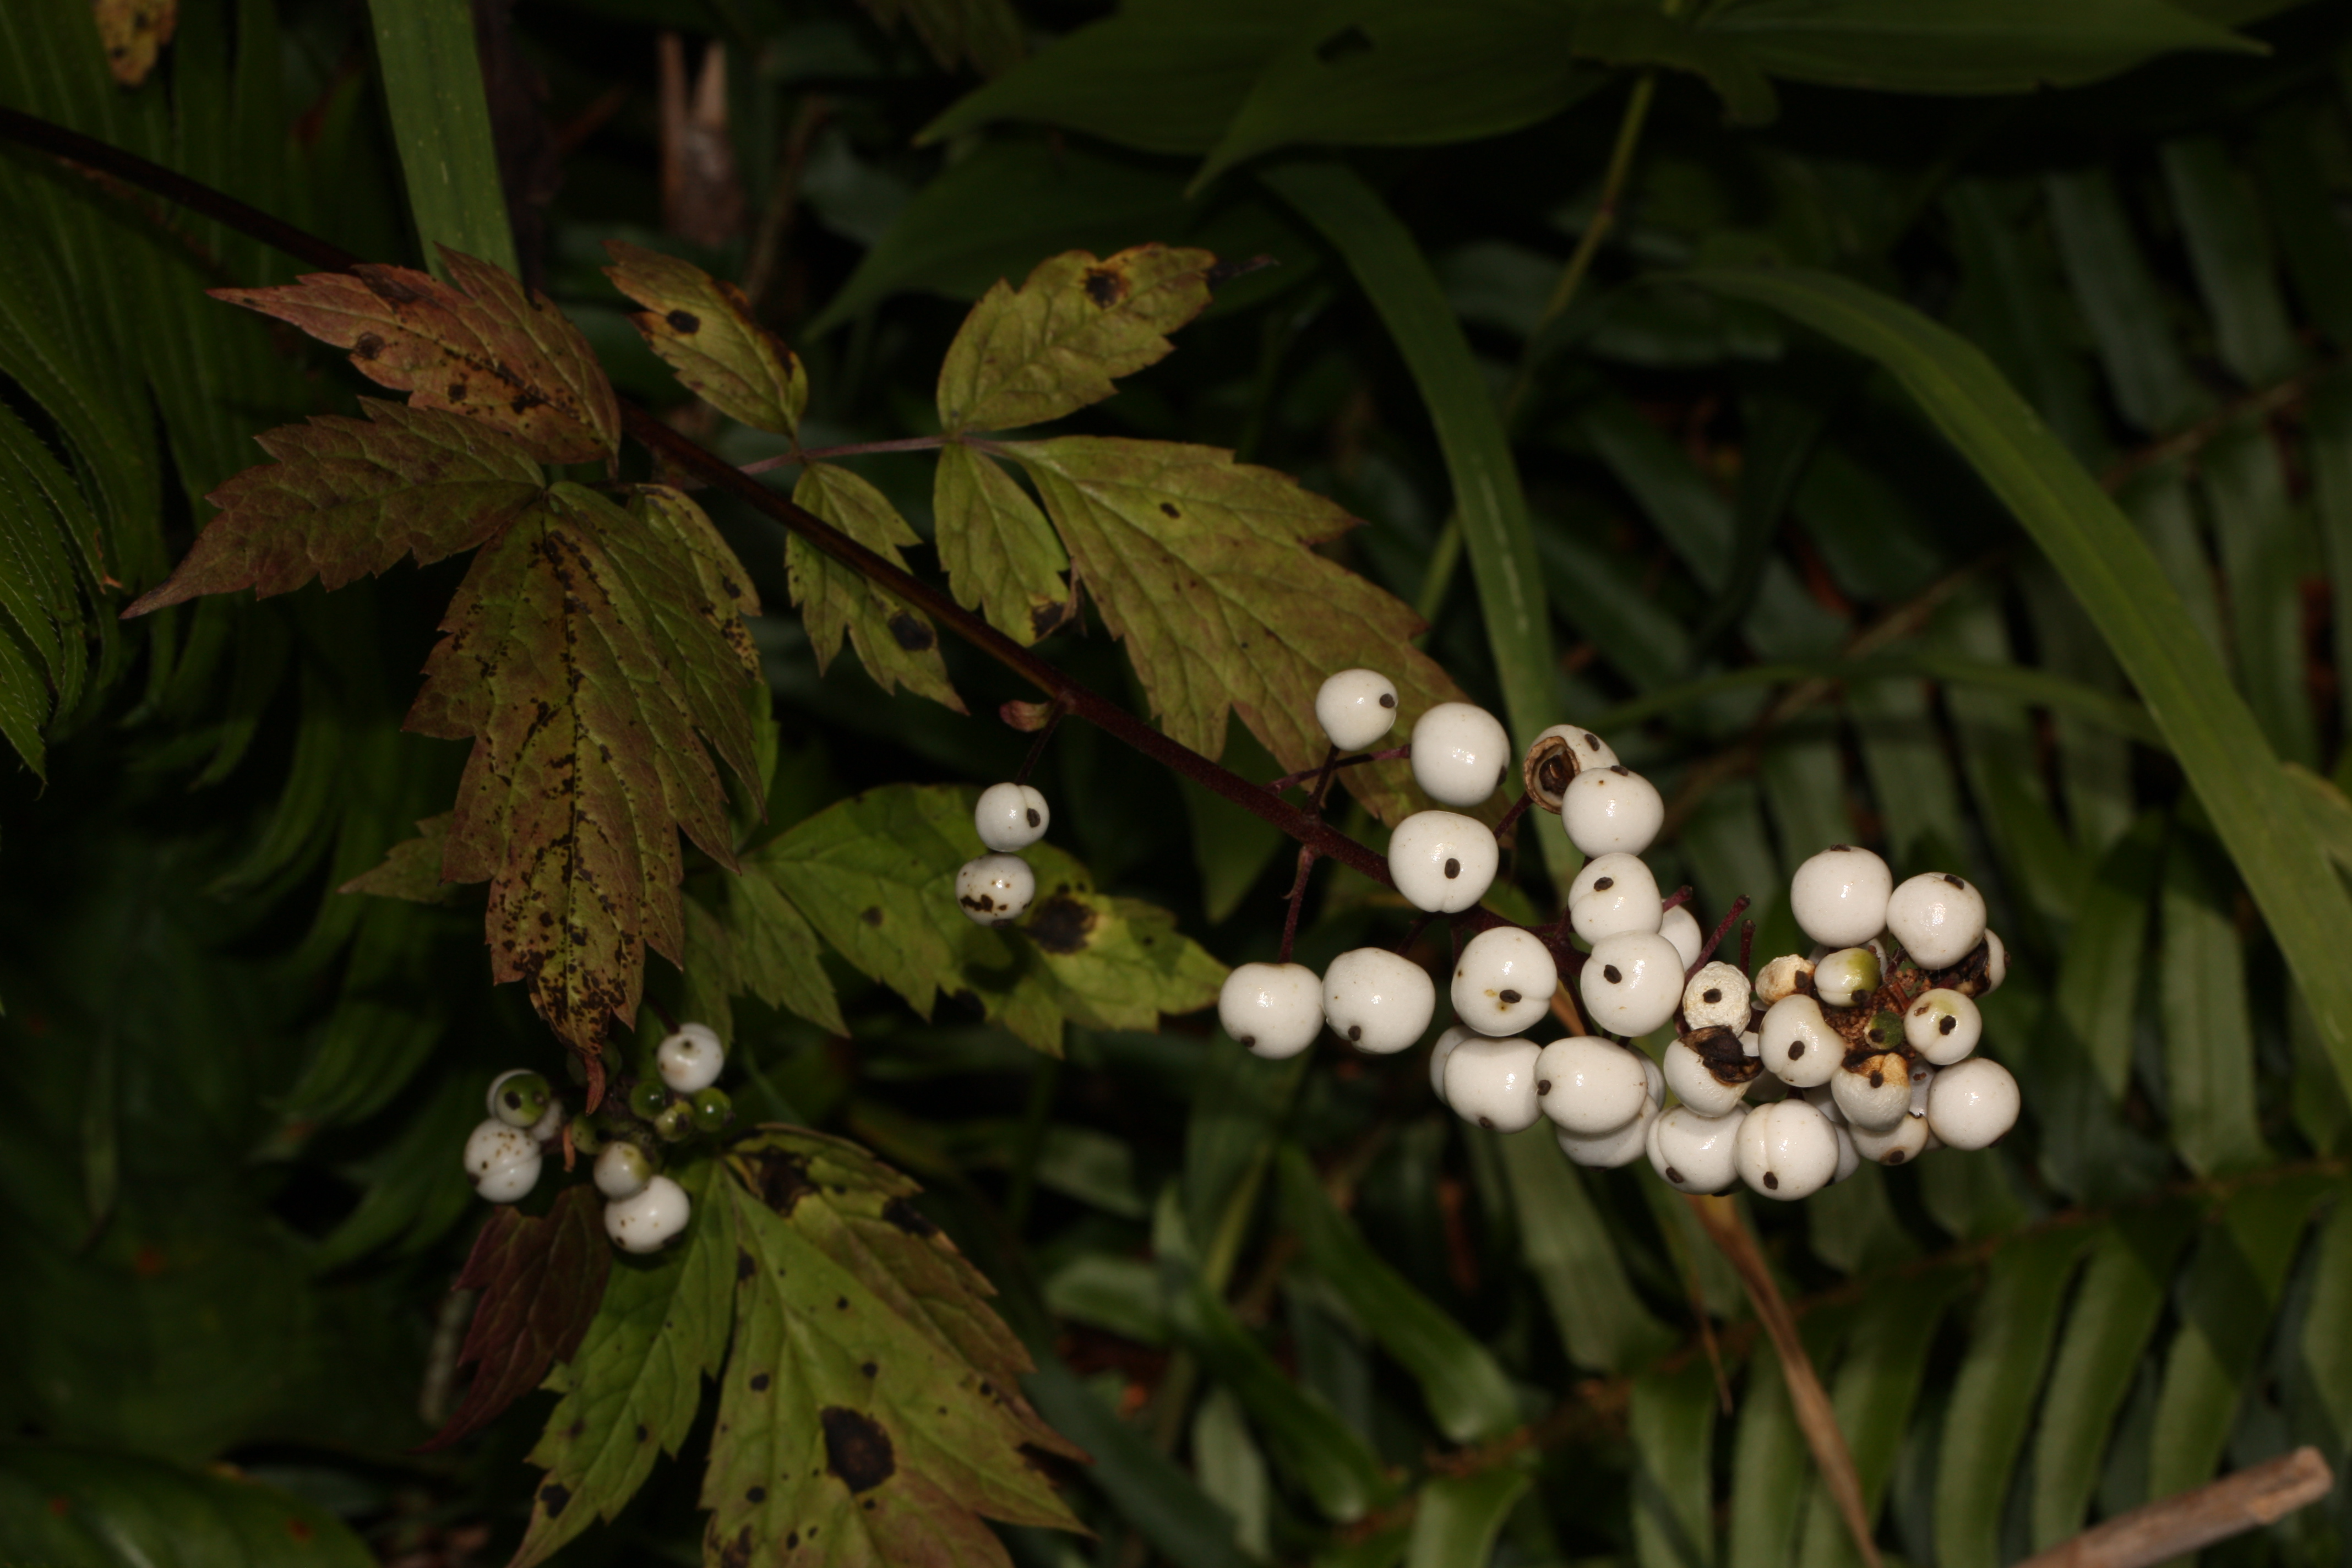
541, 1277
479, 345
871, 1407
349, 497
1114, 964
1052, 346
631, 1390
586, 662
703, 327
999, 550
777, 954
1201, 565
897, 643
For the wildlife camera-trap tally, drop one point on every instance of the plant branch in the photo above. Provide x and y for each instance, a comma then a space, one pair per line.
2186, 1521
852, 449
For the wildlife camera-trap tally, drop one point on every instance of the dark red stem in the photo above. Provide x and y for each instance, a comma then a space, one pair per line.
1679, 895
1747, 947
1511, 817
1037, 746
1289, 781
1739, 905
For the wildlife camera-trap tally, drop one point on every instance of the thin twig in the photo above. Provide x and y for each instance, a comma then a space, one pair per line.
1739, 905
1037, 746
2186, 1521
1292, 781
852, 449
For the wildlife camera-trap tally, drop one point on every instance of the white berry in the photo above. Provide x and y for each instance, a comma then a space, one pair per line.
1875, 1095
494, 1143
648, 1222
509, 1182
1440, 1052
1632, 984
1937, 918
1376, 1000
1943, 1027
1696, 1087
689, 1060
1504, 981
551, 1124
1590, 1087
1011, 816
1653, 1079
1459, 753
1588, 749
1996, 961
1850, 1157
1493, 1083
623, 1171
1786, 1149
1273, 1009
1442, 861
995, 889
1897, 1145
1681, 928
1612, 808
1799, 1045
1716, 996
1778, 978
1923, 1082
1607, 1151
1356, 708
1971, 1104
1822, 1099
1839, 896
1614, 894
1693, 1152
1847, 976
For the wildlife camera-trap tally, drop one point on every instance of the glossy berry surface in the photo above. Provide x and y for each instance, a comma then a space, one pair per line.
1378, 1001
1504, 981
1356, 708
1442, 861
1011, 816
1460, 754
1274, 1010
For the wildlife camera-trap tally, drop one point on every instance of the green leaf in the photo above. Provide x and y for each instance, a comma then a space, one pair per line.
481, 345
1201, 566
704, 329
541, 1277
2208, 1035
870, 1407
987, 33
2230, 251
1164, 75
2099, 973
1232, 1471
895, 642
1398, 73
1115, 963
441, 123
1673, 1431
1149, 1490
2115, 1310
2267, 552
2329, 425
2330, 814
349, 497
80, 1508
2326, 1354
2109, 278
45, 525
1565, 1244
1459, 1517
777, 955
1048, 349
1631, 33
1769, 1462
632, 1389
1468, 1395
999, 550
2220, 746
23, 699
1991, 1410
584, 657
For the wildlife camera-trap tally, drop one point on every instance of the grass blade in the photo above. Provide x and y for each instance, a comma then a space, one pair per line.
2210, 730
441, 120
2109, 278
2208, 1035
1459, 1518
2230, 252
1569, 1249
1673, 1485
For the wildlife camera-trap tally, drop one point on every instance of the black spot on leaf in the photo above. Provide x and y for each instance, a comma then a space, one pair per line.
368, 346
1105, 286
743, 1264
684, 321
759, 1383
1062, 924
756, 1494
871, 914
869, 1369
1168, 508
857, 1450
1345, 45
554, 1497
911, 631
782, 1180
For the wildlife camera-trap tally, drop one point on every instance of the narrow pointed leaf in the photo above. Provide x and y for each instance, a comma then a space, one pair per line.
999, 550
1052, 346
704, 329
2209, 1033
1673, 1431
1600, 1320
895, 641
349, 497
478, 345
1460, 1516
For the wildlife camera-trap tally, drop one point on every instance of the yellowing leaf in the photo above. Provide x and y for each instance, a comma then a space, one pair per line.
1050, 348
999, 550
351, 497
897, 643
1201, 563
134, 32
704, 328
411, 868
1116, 963
483, 347
587, 663
870, 1412
777, 954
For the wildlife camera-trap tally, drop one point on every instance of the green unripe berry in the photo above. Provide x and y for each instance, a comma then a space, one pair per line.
521, 1097
649, 1100
1886, 1031
675, 1123
586, 1136
713, 1110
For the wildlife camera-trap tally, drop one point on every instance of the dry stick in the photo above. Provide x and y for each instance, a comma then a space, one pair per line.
1819, 1421
678, 453
2177, 1525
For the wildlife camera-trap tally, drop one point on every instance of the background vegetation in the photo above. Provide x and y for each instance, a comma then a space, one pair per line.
1797, 557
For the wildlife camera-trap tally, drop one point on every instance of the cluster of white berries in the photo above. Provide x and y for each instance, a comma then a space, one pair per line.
996, 889
644, 1210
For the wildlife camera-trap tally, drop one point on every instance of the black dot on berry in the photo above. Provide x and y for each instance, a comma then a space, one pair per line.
1509, 998
1954, 881
1946, 1024
1485, 1121
1603, 885
1355, 1031
1543, 1087
1796, 1050
1249, 1039
1388, 699
1032, 817
1771, 1181
1712, 994
1591, 741
1674, 1175
1621, 771
1609, 972
1839, 848
1453, 868
1878, 1081
1894, 1156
